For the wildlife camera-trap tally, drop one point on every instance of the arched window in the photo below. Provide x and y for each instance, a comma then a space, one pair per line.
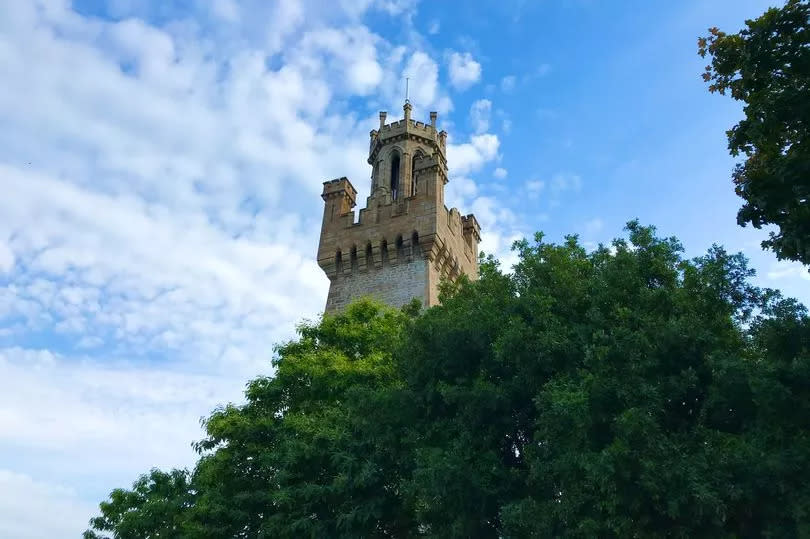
384, 252
369, 257
353, 259
414, 188
416, 251
339, 262
395, 176
400, 248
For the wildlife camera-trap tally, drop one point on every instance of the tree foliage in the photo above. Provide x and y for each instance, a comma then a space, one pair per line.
623, 392
767, 67
157, 506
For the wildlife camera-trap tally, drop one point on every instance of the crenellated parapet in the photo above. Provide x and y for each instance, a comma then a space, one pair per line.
340, 188
471, 228
373, 255
417, 132
421, 134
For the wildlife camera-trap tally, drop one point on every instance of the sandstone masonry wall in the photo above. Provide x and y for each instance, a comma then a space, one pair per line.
394, 285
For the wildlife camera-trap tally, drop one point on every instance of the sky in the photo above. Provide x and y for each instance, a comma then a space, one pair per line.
161, 165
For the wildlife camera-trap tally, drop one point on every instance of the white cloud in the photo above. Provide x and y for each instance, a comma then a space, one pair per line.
34, 509
464, 70
471, 156
97, 425
593, 226
6, 258
394, 7
63, 405
228, 10
788, 270
499, 227
490, 213
425, 73
499, 230
554, 188
565, 182
508, 84
348, 53
434, 27
480, 112
506, 125
156, 269
459, 192
500, 173
534, 188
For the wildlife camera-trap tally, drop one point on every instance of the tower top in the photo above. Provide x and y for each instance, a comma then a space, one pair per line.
407, 128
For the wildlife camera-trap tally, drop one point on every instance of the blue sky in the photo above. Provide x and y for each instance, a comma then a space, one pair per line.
161, 164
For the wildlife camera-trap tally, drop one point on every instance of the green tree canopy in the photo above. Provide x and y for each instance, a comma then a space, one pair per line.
767, 67
623, 392
157, 506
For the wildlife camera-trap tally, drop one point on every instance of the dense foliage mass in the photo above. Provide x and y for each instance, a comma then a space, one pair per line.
767, 67
624, 392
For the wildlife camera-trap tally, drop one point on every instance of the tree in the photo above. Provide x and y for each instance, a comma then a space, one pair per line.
626, 391
157, 506
767, 67
622, 392
303, 456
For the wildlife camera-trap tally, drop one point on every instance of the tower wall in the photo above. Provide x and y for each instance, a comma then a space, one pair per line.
393, 285
405, 241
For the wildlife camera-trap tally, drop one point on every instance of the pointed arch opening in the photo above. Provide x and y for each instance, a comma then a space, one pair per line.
353, 259
384, 252
395, 175
414, 187
400, 246
416, 250
369, 257
339, 261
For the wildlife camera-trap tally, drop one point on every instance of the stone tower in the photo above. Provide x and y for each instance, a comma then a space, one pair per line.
405, 239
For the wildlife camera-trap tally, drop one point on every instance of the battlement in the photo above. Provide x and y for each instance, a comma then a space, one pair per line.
406, 128
412, 126
471, 226
466, 227
339, 187
348, 248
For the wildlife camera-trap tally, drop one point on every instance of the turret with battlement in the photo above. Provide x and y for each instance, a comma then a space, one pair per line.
405, 240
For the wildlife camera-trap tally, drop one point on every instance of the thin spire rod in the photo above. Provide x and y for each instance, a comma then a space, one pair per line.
407, 79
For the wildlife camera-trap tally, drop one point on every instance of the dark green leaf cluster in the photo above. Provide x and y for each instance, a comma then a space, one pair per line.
623, 392
767, 67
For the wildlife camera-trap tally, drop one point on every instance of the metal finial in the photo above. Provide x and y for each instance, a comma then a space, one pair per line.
407, 79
